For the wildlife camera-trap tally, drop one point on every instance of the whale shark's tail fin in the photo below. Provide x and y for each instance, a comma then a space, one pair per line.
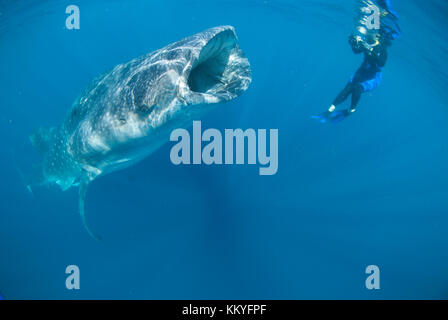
82, 208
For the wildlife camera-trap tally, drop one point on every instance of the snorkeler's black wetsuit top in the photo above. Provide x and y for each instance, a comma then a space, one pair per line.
373, 62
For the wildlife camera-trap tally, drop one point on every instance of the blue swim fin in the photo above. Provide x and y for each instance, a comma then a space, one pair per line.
324, 117
333, 117
338, 116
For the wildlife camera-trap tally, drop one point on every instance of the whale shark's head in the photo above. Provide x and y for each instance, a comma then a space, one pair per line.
196, 73
220, 72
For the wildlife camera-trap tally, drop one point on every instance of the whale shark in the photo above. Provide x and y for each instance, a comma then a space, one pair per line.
128, 112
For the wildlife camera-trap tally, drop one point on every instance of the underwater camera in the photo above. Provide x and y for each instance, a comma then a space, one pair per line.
356, 42
361, 39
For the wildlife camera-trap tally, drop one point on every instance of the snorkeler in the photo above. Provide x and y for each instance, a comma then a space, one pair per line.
368, 76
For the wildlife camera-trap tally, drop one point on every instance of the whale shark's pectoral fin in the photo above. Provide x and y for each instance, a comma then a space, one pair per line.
82, 207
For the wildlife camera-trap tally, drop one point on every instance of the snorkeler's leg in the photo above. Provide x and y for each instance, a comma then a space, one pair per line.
330, 115
356, 96
342, 96
356, 89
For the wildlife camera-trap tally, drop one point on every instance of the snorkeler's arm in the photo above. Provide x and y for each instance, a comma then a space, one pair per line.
356, 48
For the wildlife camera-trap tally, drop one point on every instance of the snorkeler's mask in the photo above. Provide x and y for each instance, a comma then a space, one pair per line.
361, 39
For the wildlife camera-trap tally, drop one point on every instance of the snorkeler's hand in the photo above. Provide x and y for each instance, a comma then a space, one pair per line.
367, 48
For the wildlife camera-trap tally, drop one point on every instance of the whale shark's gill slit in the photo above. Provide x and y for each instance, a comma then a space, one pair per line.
82, 208
145, 110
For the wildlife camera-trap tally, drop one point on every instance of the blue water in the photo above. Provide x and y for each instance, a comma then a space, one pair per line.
370, 190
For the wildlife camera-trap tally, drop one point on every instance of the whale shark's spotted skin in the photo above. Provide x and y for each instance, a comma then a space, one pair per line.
129, 112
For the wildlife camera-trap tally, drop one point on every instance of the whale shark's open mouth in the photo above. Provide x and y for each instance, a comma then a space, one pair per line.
221, 69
